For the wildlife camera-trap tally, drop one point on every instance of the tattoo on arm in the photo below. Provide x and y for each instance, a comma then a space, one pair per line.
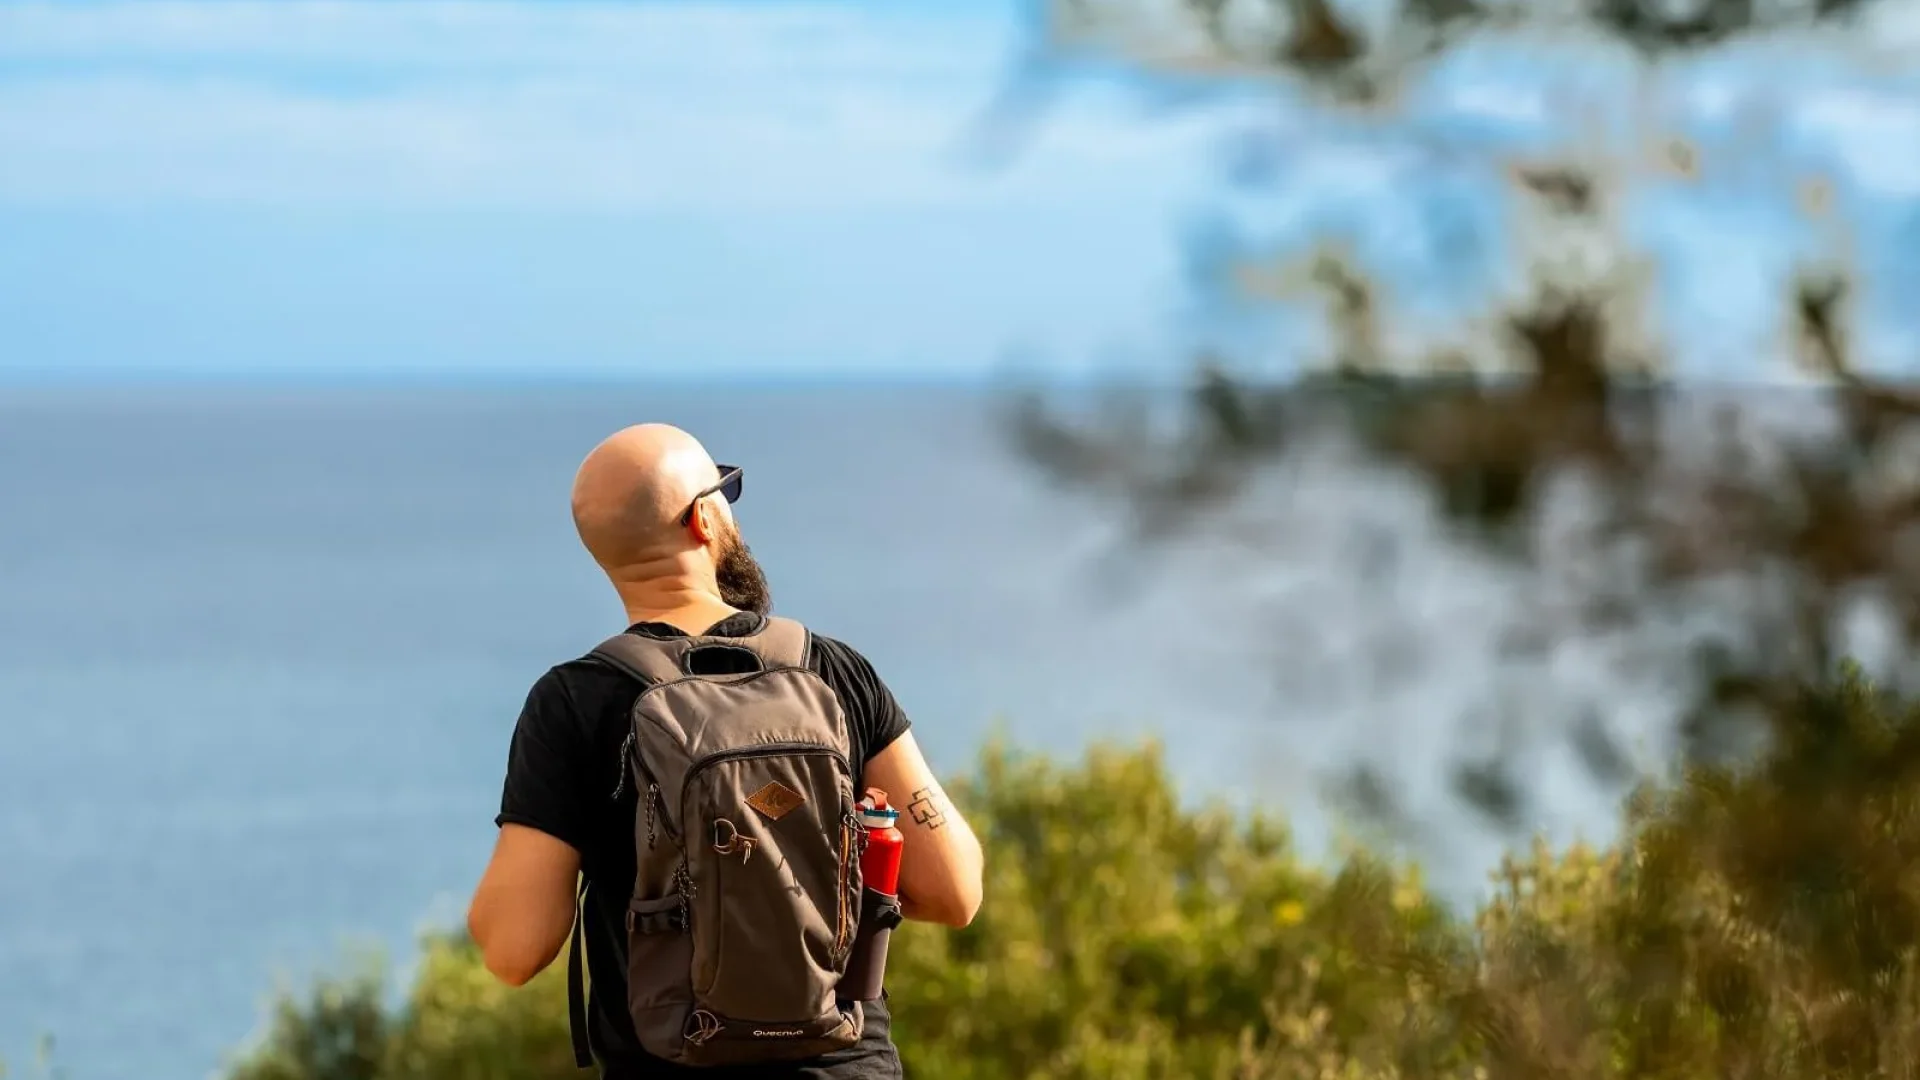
928, 807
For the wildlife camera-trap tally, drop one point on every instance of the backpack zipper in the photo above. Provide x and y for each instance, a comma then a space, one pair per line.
841, 936
653, 799
626, 760
858, 832
764, 750
629, 762
653, 811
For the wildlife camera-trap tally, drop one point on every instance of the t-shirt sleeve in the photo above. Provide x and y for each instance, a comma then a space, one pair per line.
872, 711
548, 766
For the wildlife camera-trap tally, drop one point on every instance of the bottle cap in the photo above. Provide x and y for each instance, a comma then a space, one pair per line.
878, 819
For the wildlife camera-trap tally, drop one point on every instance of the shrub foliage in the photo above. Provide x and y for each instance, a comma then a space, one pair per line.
1758, 921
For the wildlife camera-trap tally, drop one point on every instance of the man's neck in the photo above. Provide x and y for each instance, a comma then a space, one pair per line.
690, 621
690, 608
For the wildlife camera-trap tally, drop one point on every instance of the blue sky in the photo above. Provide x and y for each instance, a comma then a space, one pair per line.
656, 188
710, 187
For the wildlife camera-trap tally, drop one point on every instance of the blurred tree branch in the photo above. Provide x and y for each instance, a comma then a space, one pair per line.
1574, 387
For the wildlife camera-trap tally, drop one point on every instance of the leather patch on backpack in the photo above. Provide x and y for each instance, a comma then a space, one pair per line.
776, 800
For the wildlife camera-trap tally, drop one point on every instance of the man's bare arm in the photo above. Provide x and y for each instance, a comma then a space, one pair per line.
940, 866
523, 909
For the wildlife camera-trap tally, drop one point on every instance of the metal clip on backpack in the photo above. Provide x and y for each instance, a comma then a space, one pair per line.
745, 906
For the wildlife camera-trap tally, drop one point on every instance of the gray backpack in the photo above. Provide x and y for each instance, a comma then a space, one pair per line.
747, 898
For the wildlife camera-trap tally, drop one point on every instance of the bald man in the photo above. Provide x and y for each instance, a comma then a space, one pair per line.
656, 514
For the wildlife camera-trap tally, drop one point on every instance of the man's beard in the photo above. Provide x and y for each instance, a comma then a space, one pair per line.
742, 583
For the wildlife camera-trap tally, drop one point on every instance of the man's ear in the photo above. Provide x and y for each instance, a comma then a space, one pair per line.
706, 522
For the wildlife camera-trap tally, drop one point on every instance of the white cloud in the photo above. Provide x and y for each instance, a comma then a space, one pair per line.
810, 110
550, 104
488, 37
531, 104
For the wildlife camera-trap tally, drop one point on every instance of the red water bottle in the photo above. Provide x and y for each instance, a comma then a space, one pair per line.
866, 969
880, 862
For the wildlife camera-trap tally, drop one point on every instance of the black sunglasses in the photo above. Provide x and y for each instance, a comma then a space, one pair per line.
731, 478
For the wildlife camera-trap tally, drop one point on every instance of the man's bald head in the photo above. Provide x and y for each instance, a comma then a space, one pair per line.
632, 489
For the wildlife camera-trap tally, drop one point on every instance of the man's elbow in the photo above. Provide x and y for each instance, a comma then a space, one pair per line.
512, 973
964, 909
972, 887
955, 908
966, 901
516, 968
503, 959
509, 967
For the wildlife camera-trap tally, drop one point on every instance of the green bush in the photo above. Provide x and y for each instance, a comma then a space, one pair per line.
458, 1022
1758, 922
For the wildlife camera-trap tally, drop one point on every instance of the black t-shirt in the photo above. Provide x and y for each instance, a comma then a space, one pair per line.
562, 771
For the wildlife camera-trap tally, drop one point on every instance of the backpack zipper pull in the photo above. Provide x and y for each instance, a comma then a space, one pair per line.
626, 765
729, 840
653, 806
683, 885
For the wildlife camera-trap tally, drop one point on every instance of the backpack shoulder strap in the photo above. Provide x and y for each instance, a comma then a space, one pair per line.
576, 984
782, 642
